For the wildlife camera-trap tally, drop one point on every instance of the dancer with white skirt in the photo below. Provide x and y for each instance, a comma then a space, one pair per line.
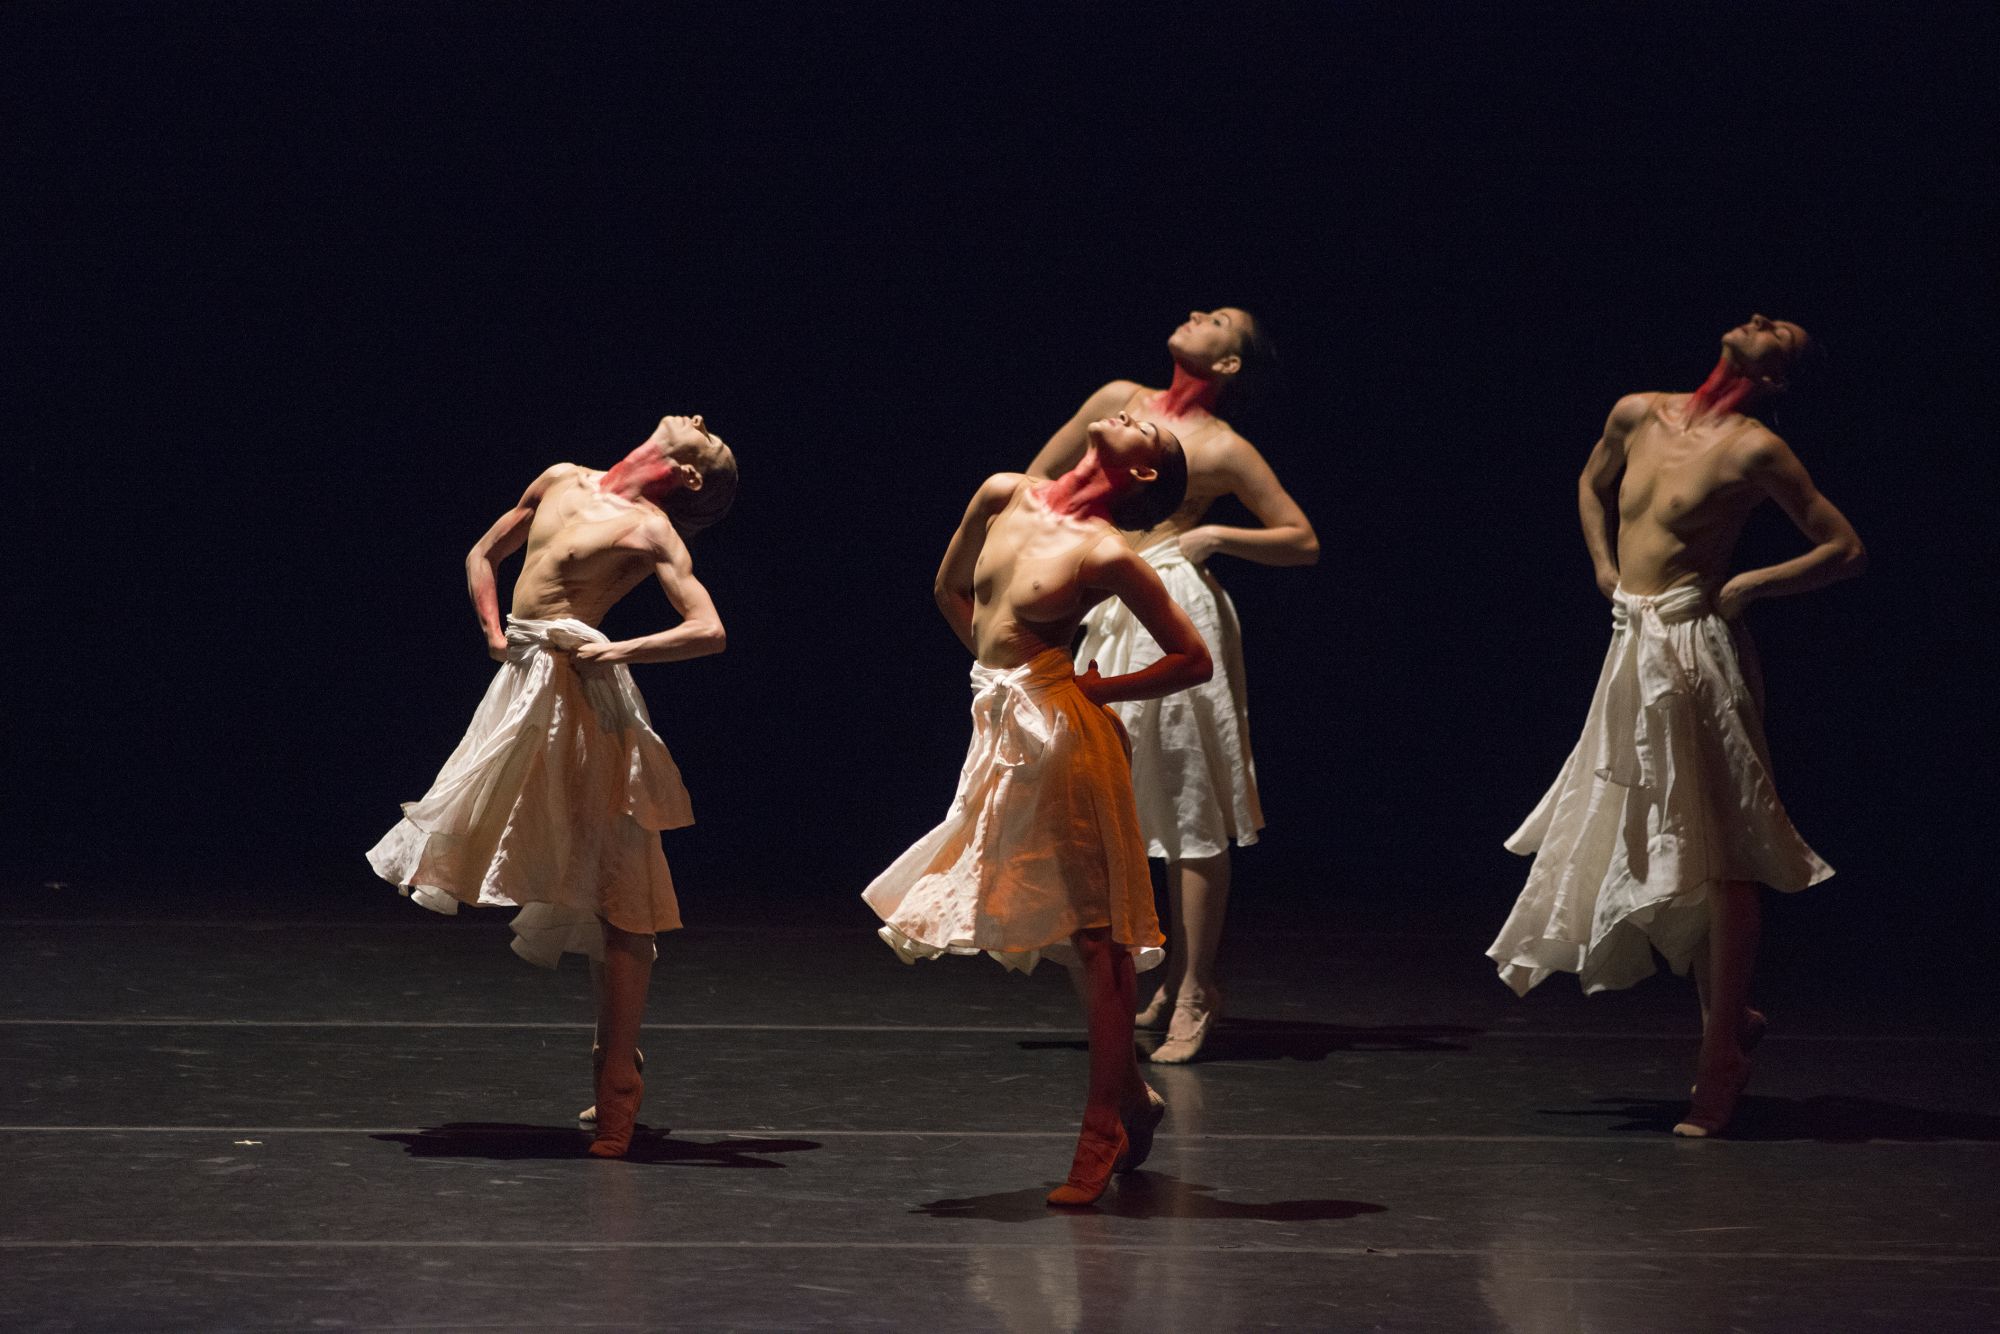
1191, 763
1665, 818
1040, 854
554, 800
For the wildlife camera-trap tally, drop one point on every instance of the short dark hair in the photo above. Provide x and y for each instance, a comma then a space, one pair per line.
692, 511
1150, 504
1259, 378
1806, 364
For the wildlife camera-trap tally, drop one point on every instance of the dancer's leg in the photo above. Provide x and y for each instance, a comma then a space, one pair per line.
588, 1116
628, 967
1734, 929
1161, 1007
1198, 898
1116, 1090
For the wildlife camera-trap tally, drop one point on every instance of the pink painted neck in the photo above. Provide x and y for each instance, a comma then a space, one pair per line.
1188, 394
1726, 390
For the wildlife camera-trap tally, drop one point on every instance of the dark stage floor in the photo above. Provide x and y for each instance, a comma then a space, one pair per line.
366, 1125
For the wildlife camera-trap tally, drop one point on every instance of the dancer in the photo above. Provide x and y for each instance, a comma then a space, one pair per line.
555, 797
1664, 818
1041, 853
1191, 765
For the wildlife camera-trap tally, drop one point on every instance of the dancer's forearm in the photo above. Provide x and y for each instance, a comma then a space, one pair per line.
1282, 544
956, 607
1598, 535
697, 638
1169, 674
1827, 563
482, 586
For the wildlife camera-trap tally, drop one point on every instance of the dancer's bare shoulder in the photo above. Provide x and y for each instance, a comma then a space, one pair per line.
996, 493
1108, 561
1630, 412
1112, 396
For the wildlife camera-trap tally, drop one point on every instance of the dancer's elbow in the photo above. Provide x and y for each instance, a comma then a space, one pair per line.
1196, 666
1853, 559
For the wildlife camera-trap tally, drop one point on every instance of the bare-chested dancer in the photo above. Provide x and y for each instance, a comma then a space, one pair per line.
554, 800
1664, 819
1041, 852
1191, 764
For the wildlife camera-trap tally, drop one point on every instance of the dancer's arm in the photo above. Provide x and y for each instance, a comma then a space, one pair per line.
1184, 662
953, 586
700, 632
1597, 488
1837, 551
1065, 448
507, 535
1287, 537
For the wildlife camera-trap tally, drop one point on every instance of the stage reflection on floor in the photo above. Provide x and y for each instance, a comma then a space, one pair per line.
368, 1123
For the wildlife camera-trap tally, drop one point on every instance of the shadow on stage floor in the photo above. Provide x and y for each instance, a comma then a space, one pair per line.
1149, 1195
1297, 1040
505, 1142
1830, 1119
365, 1122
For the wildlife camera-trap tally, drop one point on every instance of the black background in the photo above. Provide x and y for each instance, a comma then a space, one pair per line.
303, 294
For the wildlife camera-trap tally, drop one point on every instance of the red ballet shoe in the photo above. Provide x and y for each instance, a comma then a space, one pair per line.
1090, 1172
617, 1116
587, 1118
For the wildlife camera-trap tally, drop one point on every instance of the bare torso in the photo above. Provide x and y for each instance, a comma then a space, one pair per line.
1683, 498
1027, 597
1204, 438
585, 551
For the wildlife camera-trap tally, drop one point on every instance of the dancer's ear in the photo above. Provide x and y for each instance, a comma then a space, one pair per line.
690, 477
1227, 365
1145, 474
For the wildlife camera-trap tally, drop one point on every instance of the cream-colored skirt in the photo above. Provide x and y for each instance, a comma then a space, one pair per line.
1667, 792
1192, 774
552, 802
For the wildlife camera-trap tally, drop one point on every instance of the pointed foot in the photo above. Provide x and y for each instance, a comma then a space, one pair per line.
1139, 1128
1090, 1172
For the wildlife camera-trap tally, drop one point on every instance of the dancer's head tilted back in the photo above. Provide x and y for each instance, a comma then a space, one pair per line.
1766, 351
1147, 468
685, 469
1229, 347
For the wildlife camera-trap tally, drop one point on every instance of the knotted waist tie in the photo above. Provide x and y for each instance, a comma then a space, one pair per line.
602, 686
1010, 727
1655, 666
1661, 671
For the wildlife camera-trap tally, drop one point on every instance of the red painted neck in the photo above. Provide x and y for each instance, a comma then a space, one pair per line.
1726, 390
1188, 394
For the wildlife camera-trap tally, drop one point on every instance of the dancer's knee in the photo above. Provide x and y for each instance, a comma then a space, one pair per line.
639, 943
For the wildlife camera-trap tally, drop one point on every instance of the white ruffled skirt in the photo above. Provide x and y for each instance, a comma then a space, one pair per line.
1041, 840
1192, 774
1667, 792
552, 802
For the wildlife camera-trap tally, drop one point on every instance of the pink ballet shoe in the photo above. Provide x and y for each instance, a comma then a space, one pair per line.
1139, 1132
617, 1116
1715, 1098
1156, 1011
588, 1116
1192, 1021
1090, 1172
